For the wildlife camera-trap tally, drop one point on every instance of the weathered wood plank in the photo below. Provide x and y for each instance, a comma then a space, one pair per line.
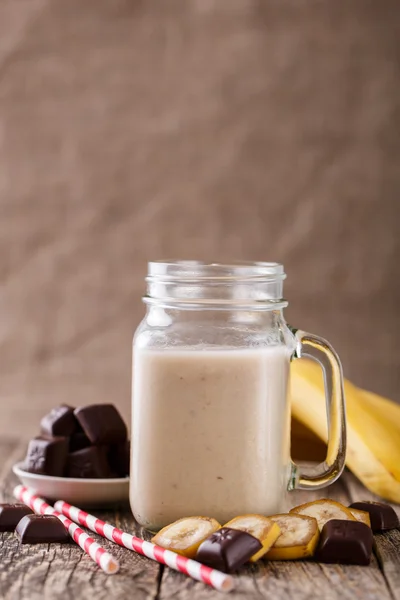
387, 546
10, 452
387, 549
295, 580
58, 572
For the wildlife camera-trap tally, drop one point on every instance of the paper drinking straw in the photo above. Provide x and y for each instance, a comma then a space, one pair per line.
217, 579
104, 559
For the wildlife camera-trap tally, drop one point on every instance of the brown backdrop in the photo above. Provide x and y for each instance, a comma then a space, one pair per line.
214, 129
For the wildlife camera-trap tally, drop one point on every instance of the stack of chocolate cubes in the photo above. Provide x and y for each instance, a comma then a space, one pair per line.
88, 442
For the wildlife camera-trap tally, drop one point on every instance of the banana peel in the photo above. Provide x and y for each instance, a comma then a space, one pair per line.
373, 428
385, 410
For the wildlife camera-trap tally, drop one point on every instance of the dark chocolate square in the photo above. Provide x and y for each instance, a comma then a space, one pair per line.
41, 529
11, 514
90, 463
47, 456
227, 549
78, 441
60, 421
102, 423
346, 542
382, 516
119, 459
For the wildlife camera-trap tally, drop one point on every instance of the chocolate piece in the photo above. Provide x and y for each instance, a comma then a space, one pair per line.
11, 514
78, 441
89, 462
59, 422
47, 456
227, 549
383, 516
119, 459
41, 529
346, 542
102, 423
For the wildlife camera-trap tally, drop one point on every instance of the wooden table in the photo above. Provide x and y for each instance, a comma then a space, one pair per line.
55, 571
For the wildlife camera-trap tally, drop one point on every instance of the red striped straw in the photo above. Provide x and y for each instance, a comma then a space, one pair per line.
104, 559
216, 579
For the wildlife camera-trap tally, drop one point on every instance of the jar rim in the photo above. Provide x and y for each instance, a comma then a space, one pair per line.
184, 270
192, 284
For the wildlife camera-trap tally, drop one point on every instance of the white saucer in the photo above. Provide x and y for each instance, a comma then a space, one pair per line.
81, 492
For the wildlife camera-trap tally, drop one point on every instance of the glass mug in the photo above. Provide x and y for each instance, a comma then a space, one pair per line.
210, 406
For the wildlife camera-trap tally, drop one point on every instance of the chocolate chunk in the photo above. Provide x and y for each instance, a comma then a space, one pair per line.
11, 514
383, 516
346, 542
47, 456
59, 422
119, 459
227, 549
102, 423
90, 463
77, 441
41, 529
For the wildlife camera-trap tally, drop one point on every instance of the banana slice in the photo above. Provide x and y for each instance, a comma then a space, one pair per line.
185, 535
361, 515
263, 528
324, 510
299, 537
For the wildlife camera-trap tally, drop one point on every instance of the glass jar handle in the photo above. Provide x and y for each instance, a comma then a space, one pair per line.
316, 477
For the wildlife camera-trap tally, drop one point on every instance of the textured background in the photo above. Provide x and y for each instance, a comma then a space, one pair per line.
214, 129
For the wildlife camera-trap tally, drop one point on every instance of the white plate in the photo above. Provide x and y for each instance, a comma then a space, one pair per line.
81, 492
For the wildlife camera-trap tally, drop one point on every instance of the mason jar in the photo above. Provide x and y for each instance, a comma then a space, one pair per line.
210, 405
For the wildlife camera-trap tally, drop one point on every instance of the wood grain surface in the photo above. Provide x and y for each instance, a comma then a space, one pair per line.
56, 572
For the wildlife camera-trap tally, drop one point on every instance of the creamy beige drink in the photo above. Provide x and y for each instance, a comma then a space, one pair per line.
210, 433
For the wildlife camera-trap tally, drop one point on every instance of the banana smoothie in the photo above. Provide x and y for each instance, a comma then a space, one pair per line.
210, 431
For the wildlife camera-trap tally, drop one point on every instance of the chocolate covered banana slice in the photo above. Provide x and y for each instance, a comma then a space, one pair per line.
324, 510
260, 527
185, 535
299, 537
361, 515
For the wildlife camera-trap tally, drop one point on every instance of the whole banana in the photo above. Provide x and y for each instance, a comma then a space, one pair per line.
373, 428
